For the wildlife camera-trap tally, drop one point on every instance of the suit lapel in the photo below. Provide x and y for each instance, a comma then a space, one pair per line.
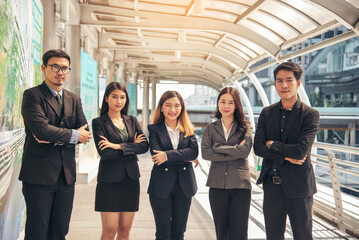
276, 121
219, 128
233, 129
181, 143
165, 137
50, 98
292, 118
67, 104
111, 127
130, 131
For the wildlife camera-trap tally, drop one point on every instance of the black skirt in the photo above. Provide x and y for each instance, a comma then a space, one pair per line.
121, 196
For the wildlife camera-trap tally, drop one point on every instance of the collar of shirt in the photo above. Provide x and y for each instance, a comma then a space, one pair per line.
226, 133
174, 136
54, 92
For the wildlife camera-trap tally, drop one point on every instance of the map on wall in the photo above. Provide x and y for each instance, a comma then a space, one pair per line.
20, 57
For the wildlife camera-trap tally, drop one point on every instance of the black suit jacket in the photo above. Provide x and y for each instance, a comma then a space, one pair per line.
298, 180
163, 177
115, 163
42, 162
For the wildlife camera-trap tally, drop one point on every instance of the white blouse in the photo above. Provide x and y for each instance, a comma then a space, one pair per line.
174, 136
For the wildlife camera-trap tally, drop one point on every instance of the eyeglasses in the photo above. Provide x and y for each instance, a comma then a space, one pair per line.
56, 68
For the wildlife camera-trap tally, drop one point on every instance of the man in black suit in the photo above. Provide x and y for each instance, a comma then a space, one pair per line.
285, 134
54, 124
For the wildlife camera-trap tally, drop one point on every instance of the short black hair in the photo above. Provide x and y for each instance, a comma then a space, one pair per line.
54, 53
289, 66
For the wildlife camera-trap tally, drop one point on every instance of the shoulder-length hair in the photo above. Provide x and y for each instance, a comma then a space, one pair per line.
238, 114
184, 124
109, 89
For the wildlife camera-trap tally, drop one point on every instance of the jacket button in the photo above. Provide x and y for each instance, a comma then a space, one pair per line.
63, 152
184, 168
166, 169
61, 123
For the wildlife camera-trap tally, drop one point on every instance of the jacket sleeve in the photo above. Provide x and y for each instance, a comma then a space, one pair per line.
260, 138
154, 140
38, 123
186, 154
237, 151
135, 148
307, 135
207, 149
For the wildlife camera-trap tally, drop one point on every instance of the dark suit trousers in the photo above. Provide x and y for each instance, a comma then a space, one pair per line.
171, 214
276, 207
48, 209
230, 210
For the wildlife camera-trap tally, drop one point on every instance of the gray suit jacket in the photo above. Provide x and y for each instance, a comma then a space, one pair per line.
229, 165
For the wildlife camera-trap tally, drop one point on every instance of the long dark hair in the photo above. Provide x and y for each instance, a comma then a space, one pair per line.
238, 114
184, 124
109, 89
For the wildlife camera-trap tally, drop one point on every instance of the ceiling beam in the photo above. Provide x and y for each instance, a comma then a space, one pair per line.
156, 20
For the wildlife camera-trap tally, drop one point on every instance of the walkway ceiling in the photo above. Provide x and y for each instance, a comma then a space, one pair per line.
212, 42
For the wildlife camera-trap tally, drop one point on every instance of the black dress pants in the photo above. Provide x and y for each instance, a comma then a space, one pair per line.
48, 209
171, 214
230, 210
276, 207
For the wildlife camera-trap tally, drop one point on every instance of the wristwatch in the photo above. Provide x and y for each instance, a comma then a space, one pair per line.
269, 145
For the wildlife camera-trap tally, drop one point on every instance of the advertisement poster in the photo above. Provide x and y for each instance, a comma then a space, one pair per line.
20, 57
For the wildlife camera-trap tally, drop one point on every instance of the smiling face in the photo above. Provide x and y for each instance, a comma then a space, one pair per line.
171, 109
116, 101
287, 85
226, 105
55, 80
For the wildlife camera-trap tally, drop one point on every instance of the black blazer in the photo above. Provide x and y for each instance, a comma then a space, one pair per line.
42, 162
115, 163
298, 180
163, 177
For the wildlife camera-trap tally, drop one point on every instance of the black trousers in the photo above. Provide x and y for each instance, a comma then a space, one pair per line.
171, 214
276, 207
230, 210
48, 209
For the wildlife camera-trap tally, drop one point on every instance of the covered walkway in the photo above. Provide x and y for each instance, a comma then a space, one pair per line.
86, 223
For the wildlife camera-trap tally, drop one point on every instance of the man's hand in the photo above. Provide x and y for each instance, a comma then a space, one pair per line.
296, 161
268, 142
159, 158
39, 141
85, 136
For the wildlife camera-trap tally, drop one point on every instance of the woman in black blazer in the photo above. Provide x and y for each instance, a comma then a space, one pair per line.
173, 147
118, 139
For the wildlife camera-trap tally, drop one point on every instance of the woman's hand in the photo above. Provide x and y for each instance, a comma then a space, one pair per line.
159, 158
196, 162
140, 138
242, 143
103, 144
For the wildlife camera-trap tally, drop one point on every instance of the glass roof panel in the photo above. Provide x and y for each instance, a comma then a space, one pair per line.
262, 31
275, 24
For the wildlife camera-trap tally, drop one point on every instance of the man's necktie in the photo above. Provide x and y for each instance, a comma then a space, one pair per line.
58, 98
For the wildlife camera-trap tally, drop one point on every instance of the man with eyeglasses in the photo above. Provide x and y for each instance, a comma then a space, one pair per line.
54, 124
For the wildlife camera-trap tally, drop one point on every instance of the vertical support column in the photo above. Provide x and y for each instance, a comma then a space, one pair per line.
153, 105
259, 88
145, 110
73, 48
49, 28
